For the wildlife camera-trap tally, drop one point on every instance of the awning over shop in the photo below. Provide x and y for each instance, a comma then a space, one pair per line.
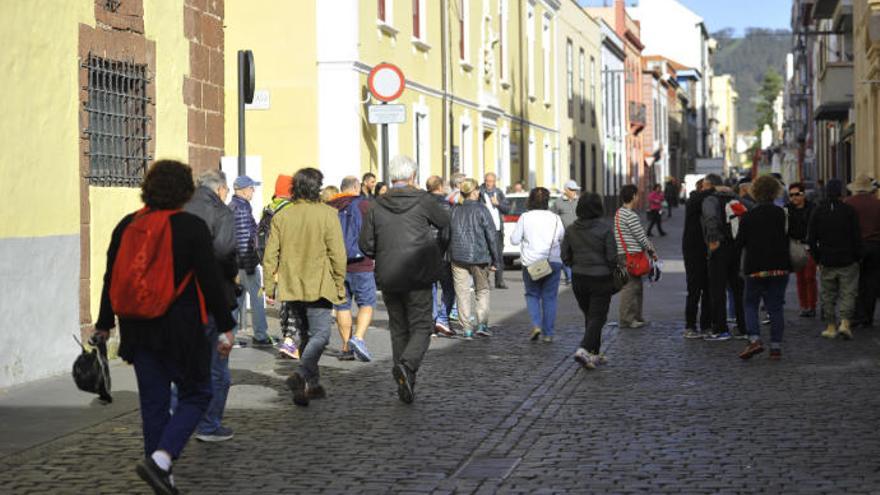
832, 111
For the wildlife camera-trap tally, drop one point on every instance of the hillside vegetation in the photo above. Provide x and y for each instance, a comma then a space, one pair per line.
748, 58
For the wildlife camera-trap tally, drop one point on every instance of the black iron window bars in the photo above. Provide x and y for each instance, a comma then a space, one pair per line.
118, 124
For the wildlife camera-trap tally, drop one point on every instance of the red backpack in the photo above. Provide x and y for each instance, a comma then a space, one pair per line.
142, 282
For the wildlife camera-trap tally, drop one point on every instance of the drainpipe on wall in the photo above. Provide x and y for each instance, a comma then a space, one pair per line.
447, 121
523, 95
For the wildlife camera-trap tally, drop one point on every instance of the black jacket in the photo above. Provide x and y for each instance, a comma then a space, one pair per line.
799, 220
762, 235
714, 221
503, 205
473, 235
833, 234
670, 193
399, 232
692, 242
442, 235
220, 220
179, 334
589, 247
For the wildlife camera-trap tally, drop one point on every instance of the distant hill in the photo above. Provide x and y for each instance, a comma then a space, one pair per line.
747, 58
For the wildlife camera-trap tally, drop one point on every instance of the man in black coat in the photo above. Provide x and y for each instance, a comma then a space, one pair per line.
399, 232
835, 242
209, 204
693, 247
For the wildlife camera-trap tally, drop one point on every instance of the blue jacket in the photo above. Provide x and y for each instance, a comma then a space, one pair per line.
245, 234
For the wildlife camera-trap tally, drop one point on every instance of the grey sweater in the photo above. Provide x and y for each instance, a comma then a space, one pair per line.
567, 210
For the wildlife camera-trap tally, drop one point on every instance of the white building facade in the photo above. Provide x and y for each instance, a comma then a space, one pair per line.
672, 30
613, 110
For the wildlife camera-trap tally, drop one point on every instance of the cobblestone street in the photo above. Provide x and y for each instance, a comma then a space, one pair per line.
507, 415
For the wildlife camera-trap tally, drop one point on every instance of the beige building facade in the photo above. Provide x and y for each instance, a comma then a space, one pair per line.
580, 101
866, 35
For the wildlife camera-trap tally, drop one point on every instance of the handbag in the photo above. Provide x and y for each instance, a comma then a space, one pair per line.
542, 268
91, 370
797, 251
619, 278
637, 264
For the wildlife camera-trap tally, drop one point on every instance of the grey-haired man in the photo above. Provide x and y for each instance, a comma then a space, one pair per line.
494, 199
566, 208
399, 232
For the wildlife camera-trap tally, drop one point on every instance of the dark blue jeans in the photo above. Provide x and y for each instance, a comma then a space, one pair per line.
541, 298
155, 373
221, 380
772, 291
443, 301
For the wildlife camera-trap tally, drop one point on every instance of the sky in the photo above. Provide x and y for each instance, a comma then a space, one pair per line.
737, 14
741, 14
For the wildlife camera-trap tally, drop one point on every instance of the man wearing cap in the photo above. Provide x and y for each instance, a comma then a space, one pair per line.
864, 201
248, 261
494, 199
566, 208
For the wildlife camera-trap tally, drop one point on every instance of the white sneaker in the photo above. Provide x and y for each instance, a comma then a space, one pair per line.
585, 359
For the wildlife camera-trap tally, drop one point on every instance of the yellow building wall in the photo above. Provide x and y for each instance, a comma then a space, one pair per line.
40, 170
575, 24
107, 206
39, 133
867, 96
376, 45
163, 23
282, 36
419, 64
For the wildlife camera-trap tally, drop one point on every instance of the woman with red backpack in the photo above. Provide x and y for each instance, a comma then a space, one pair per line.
161, 282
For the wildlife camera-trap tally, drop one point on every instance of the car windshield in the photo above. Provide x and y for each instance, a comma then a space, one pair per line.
518, 204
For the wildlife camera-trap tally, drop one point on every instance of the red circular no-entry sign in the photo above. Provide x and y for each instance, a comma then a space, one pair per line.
386, 82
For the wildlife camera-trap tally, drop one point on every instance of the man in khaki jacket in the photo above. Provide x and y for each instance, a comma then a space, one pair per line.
304, 265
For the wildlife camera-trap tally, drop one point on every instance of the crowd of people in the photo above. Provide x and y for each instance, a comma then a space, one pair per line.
741, 243
323, 254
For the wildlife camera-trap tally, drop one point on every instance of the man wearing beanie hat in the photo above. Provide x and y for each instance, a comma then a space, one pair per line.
835, 243
864, 201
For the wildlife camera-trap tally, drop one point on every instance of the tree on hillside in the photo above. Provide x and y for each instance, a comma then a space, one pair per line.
770, 88
747, 58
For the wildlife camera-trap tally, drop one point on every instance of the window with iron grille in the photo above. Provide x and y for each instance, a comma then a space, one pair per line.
118, 124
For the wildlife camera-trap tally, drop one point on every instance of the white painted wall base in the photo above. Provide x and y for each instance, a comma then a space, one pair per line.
40, 307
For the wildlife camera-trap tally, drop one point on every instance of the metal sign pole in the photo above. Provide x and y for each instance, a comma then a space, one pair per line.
241, 141
385, 150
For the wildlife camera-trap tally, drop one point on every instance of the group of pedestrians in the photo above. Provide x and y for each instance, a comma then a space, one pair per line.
188, 263
743, 245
